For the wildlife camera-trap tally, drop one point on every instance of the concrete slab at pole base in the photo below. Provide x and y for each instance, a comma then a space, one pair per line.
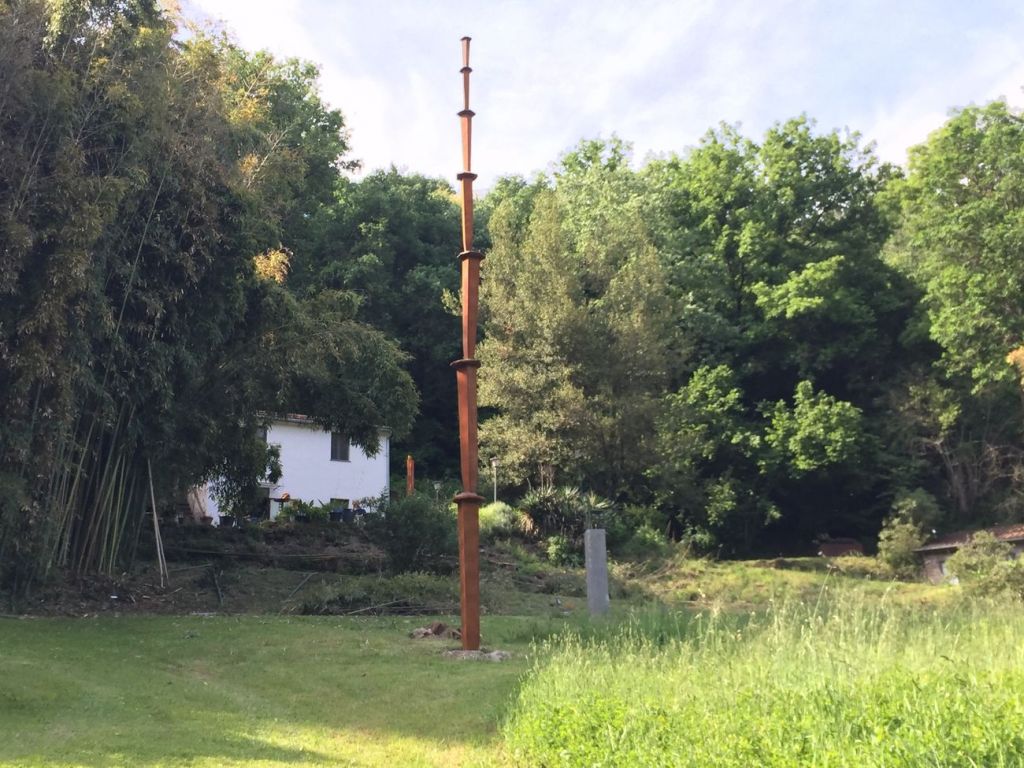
596, 552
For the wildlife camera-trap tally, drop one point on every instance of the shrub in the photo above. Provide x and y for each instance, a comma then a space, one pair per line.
295, 507
498, 520
565, 511
417, 532
565, 551
984, 565
904, 531
897, 541
644, 543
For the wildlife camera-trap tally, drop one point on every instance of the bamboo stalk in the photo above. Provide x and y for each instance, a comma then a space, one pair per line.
164, 575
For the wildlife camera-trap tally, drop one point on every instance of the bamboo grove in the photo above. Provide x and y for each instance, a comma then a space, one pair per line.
147, 181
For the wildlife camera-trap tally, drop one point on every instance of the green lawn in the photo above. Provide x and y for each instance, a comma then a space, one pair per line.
295, 691
288, 690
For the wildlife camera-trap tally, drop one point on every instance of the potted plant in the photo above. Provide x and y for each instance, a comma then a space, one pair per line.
306, 511
318, 513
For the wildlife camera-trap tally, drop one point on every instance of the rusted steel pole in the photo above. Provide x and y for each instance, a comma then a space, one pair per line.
465, 376
410, 475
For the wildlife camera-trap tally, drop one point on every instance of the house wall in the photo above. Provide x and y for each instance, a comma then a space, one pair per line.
308, 474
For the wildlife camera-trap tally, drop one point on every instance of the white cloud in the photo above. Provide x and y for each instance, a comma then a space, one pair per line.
994, 70
657, 73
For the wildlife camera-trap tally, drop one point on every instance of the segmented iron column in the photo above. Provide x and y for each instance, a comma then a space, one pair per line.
465, 376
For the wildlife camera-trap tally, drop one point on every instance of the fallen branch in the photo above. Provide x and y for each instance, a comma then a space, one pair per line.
374, 607
191, 568
301, 585
216, 583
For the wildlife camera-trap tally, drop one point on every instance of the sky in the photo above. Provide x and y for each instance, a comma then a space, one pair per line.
658, 74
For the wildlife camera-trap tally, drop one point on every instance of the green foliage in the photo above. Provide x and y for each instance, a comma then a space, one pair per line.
311, 511
715, 334
818, 432
391, 238
917, 505
765, 689
565, 511
499, 520
417, 532
959, 238
904, 531
564, 551
645, 543
899, 538
147, 174
708, 450
986, 566
236, 490
576, 324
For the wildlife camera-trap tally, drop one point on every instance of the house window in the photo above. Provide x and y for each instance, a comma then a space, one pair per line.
339, 446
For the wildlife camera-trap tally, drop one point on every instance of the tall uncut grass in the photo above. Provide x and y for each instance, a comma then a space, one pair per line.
850, 681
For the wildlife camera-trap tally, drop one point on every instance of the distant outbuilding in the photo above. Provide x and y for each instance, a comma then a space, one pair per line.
839, 547
936, 552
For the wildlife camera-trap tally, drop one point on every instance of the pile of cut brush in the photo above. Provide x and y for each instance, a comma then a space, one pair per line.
403, 594
436, 629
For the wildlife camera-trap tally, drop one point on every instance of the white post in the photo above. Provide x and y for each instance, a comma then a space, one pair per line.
494, 470
596, 556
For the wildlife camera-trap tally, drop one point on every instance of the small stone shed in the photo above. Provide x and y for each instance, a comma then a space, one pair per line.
936, 552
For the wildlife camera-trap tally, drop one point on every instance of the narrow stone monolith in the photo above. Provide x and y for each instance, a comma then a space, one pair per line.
596, 554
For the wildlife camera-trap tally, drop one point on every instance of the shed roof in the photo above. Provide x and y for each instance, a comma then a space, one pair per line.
957, 539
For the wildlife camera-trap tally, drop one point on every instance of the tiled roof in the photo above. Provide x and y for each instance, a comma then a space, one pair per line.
955, 540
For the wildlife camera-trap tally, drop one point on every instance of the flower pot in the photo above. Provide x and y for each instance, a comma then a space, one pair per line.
227, 521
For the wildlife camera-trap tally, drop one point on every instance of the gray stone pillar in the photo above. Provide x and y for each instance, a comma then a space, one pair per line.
596, 553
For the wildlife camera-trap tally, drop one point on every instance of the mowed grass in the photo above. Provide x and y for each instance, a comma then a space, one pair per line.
847, 680
716, 677
242, 691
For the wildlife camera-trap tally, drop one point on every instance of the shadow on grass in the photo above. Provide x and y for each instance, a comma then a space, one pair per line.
240, 690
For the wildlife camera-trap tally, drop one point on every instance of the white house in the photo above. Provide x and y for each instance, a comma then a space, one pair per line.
318, 466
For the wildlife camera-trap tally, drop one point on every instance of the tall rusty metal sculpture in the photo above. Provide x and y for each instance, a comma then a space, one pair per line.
465, 375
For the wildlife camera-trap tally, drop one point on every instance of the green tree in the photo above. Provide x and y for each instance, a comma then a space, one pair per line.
392, 239
960, 228
575, 327
960, 232
135, 328
772, 252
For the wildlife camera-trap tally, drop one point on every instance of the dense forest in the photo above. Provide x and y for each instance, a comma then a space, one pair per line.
751, 344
